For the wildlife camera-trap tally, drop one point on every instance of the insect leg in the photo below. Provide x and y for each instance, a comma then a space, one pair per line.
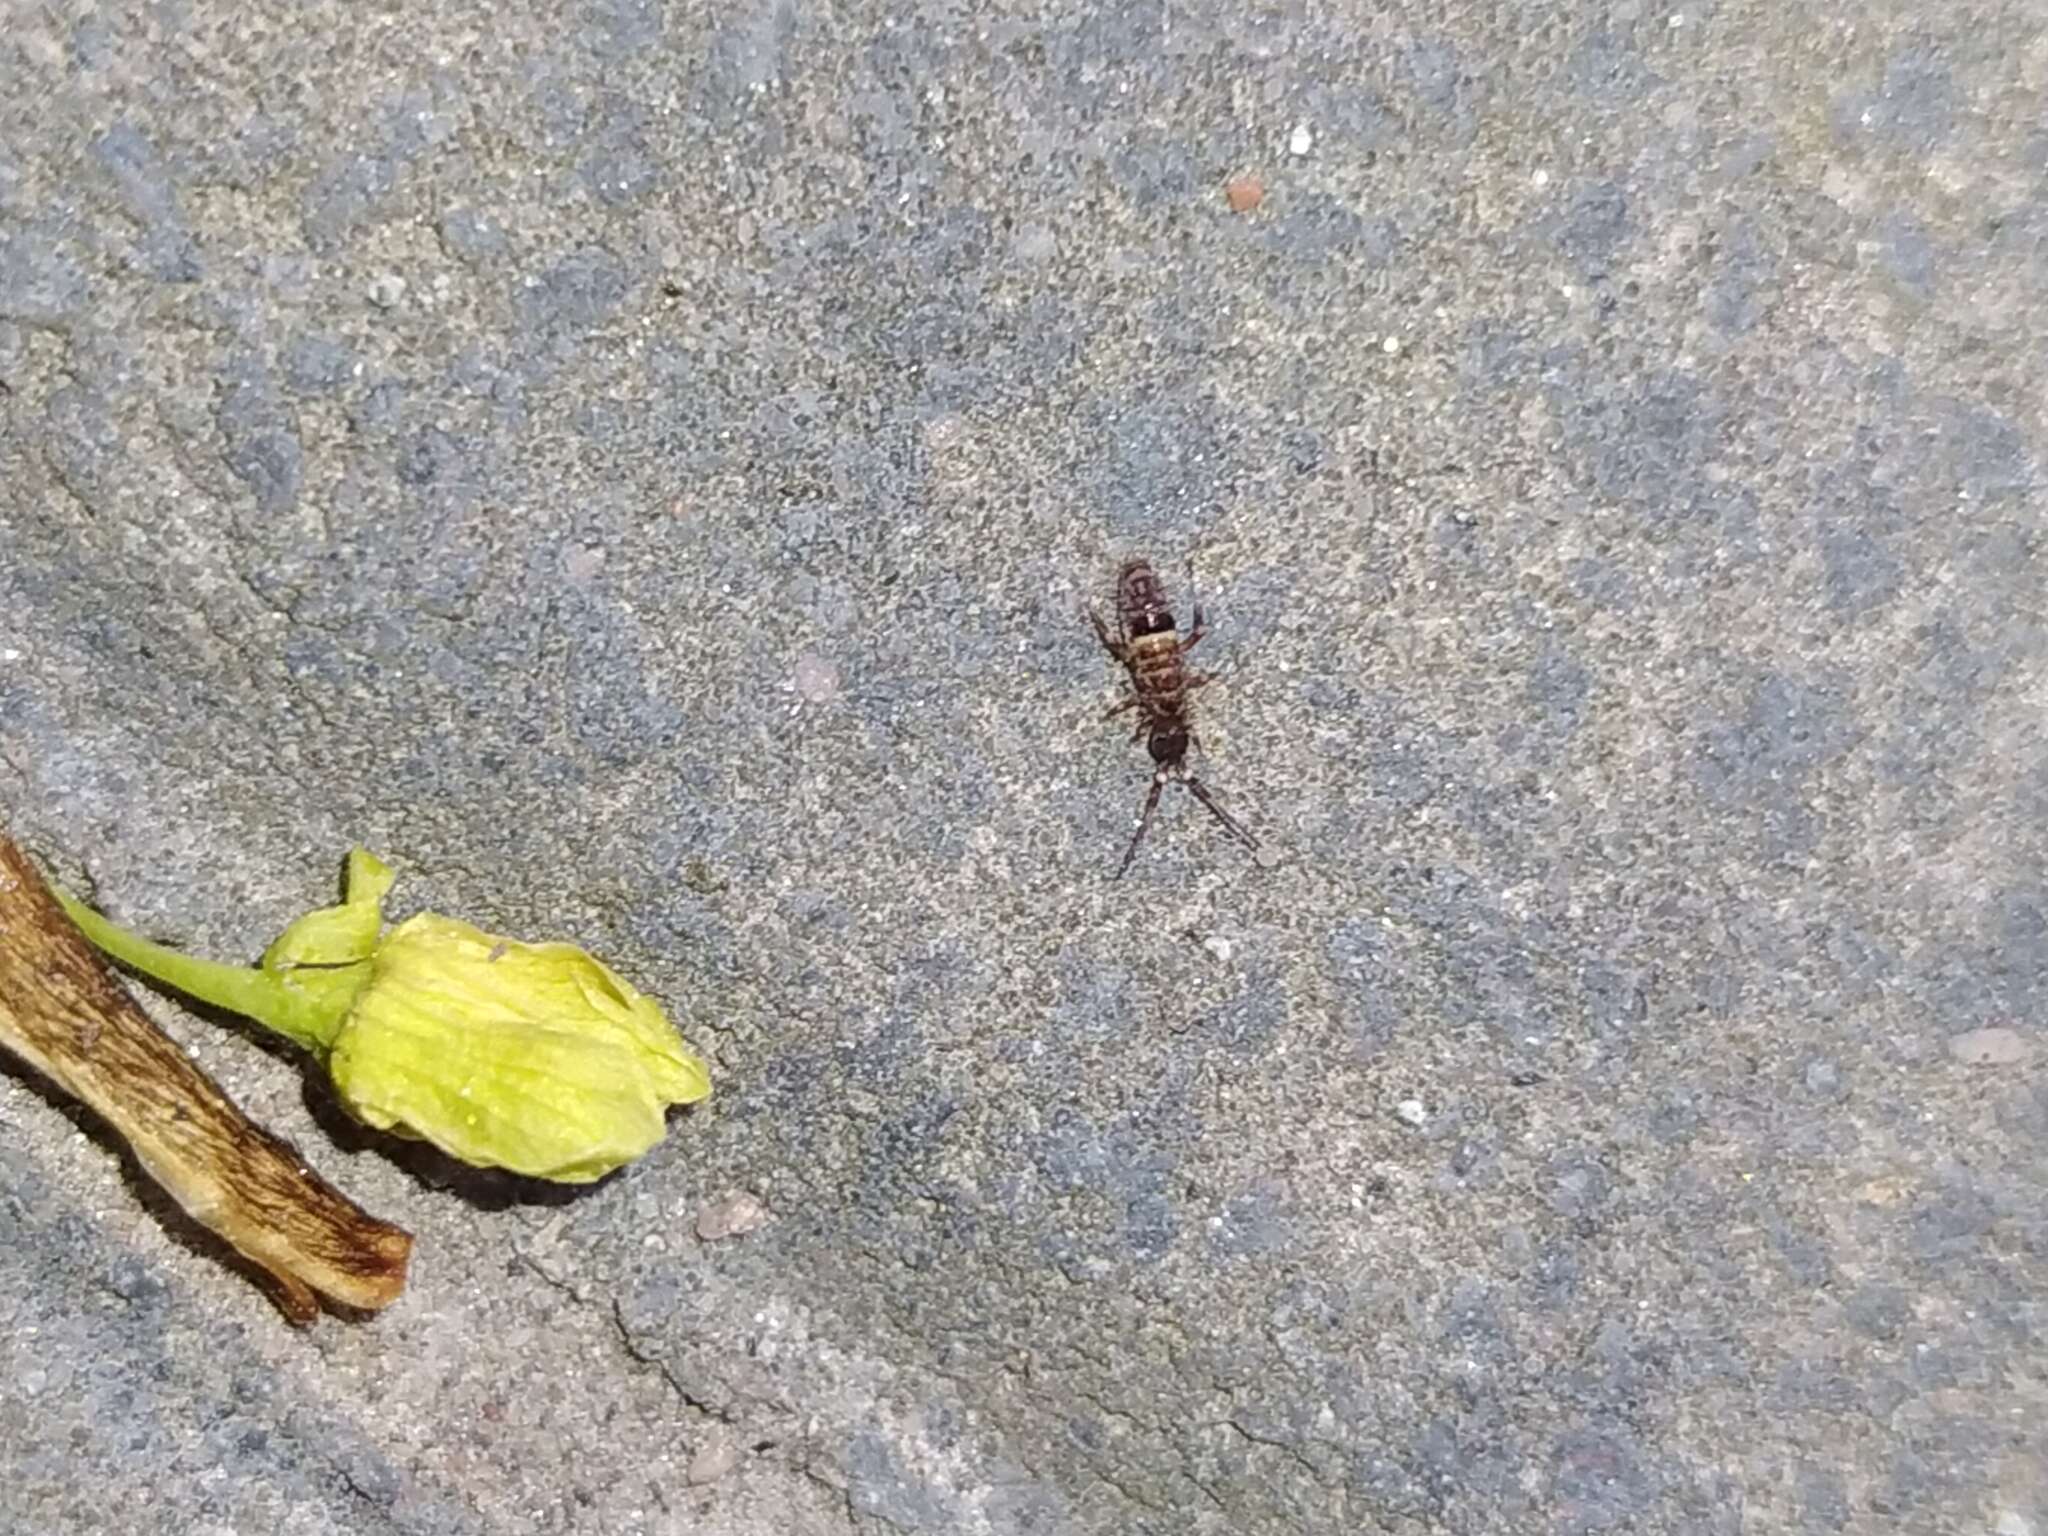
1200, 627
1116, 709
1230, 823
1144, 821
1113, 646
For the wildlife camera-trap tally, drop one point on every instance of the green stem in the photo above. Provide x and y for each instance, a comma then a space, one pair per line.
307, 1011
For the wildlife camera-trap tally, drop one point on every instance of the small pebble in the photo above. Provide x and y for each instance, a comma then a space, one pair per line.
1411, 1111
387, 290
1218, 946
730, 1217
1391, 345
714, 1461
1301, 141
1244, 193
1823, 1079
817, 679
1990, 1047
1035, 243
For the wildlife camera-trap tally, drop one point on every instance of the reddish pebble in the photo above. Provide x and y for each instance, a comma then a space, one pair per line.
730, 1217
1244, 193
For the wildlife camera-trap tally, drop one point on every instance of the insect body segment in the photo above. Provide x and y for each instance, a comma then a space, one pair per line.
1149, 646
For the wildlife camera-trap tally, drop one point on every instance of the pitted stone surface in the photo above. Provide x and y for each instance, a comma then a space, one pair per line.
638, 466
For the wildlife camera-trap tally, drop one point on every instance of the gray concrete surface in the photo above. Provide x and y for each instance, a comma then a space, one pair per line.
636, 466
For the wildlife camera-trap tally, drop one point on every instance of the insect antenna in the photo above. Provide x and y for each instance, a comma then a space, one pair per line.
1144, 822
1230, 823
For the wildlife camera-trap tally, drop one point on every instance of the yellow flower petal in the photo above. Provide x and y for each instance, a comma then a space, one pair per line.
532, 1057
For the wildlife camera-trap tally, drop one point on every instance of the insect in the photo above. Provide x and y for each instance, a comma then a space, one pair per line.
1149, 646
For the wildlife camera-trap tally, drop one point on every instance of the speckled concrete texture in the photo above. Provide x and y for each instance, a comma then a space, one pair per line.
638, 466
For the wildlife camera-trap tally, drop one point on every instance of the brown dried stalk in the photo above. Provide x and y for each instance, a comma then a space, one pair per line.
62, 1012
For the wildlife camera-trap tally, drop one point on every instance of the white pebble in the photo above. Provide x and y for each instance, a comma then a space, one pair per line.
1218, 946
1391, 345
817, 679
387, 290
713, 1462
1990, 1047
1411, 1110
1301, 141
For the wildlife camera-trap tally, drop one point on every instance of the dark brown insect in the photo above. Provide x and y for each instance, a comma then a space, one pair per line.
1149, 647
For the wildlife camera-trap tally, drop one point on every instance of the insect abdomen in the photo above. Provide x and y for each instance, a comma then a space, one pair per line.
1156, 670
